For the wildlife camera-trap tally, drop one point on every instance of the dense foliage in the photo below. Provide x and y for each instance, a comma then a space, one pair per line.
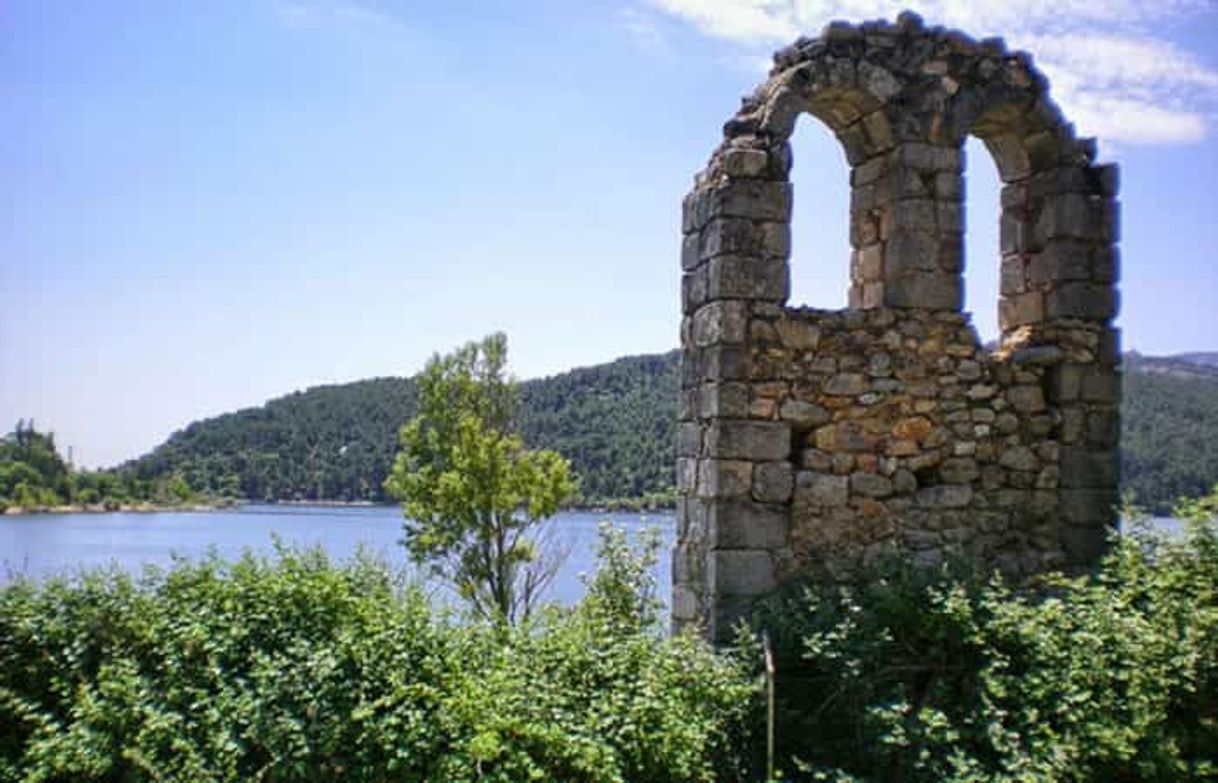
1169, 435
33, 475
616, 423
299, 670
937, 678
472, 494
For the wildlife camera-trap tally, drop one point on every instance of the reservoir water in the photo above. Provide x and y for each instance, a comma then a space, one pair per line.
41, 545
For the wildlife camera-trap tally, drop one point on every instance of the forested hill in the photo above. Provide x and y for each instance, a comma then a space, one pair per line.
616, 423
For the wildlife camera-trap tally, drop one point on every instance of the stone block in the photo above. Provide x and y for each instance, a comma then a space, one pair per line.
751, 199
798, 335
741, 572
690, 252
720, 322
689, 439
1019, 458
908, 251
746, 524
1066, 382
871, 485
959, 470
1075, 299
1012, 275
1088, 507
726, 399
912, 428
1084, 545
751, 440
745, 162
1014, 234
725, 363
1061, 259
735, 236
1083, 468
1067, 215
870, 263
1101, 385
1026, 398
723, 478
1021, 310
684, 605
748, 277
773, 482
687, 474
846, 385
945, 496
932, 290
694, 290
804, 414
820, 489
1103, 428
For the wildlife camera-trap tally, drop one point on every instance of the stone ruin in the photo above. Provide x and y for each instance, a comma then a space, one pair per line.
814, 442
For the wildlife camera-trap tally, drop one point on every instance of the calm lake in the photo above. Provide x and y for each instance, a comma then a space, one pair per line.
40, 545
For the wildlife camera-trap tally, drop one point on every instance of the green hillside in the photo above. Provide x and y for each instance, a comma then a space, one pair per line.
616, 423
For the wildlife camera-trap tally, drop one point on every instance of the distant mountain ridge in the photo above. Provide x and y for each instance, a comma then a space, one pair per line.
616, 422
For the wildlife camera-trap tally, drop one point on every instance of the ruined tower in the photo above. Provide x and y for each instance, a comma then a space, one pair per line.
813, 442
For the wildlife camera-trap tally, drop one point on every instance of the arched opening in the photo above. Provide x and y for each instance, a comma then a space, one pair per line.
982, 256
820, 217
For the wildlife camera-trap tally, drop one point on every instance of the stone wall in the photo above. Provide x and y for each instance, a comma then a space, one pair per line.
813, 442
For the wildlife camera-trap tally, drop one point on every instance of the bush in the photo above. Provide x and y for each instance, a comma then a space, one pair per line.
939, 677
294, 669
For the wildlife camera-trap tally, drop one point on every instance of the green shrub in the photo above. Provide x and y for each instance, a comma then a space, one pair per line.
938, 677
293, 669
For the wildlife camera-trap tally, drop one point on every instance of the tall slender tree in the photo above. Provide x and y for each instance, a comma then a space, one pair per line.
472, 495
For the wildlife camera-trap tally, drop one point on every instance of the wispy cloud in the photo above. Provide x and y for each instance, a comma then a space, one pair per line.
1111, 70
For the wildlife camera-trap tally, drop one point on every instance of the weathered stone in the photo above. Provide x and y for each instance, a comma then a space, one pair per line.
1019, 458
846, 384
912, 428
870, 485
744, 277
746, 439
959, 470
723, 478
819, 489
1026, 399
773, 482
745, 524
687, 474
746, 572
911, 438
945, 496
720, 322
746, 163
689, 439
804, 414
729, 399
904, 482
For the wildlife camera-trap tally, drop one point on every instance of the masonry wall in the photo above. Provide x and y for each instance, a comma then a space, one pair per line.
813, 442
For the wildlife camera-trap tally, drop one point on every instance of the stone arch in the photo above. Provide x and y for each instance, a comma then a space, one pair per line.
812, 441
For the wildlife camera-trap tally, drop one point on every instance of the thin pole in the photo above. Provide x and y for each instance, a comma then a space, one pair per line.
769, 716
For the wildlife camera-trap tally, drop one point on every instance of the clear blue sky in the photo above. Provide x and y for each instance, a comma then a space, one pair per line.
205, 205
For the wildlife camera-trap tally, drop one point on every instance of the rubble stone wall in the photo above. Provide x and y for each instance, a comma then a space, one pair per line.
813, 442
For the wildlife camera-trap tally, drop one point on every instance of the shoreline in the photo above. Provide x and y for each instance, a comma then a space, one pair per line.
117, 508
604, 507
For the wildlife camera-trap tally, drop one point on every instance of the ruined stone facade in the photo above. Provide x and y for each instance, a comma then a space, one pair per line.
813, 442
